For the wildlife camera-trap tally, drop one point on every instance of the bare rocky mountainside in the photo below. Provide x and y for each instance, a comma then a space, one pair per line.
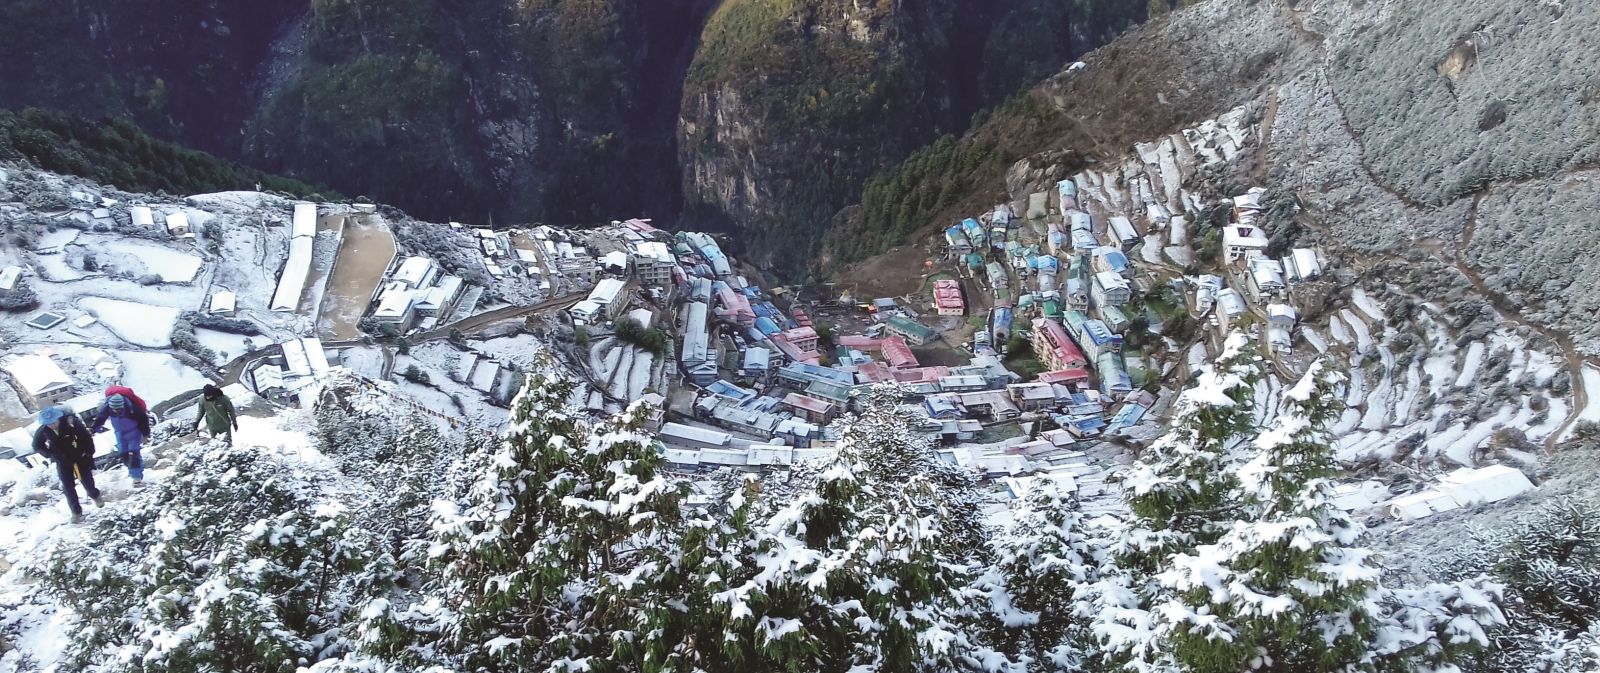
753, 115
1449, 151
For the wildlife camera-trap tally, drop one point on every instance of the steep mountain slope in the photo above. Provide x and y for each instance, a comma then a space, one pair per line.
1398, 130
790, 105
117, 153
476, 109
1189, 66
485, 109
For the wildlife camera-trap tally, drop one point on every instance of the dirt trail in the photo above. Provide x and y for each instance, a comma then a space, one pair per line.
1575, 360
1454, 256
358, 269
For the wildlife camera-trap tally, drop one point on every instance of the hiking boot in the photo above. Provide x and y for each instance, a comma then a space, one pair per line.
98, 502
77, 518
138, 483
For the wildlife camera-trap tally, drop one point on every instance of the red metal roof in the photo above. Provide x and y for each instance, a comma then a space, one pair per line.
1066, 351
858, 342
807, 403
947, 294
1064, 376
921, 374
898, 353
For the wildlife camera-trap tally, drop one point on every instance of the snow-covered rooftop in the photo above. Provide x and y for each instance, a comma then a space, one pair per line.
37, 374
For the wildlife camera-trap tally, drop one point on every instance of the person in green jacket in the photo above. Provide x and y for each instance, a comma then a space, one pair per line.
217, 412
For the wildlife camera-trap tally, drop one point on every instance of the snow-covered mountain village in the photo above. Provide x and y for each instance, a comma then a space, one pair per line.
1061, 348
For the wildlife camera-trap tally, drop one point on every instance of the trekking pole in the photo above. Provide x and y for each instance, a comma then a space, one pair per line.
76, 474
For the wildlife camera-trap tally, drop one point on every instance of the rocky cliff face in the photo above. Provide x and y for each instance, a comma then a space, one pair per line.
547, 109
560, 110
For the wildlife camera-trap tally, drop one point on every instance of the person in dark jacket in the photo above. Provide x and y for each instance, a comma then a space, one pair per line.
131, 423
216, 410
66, 441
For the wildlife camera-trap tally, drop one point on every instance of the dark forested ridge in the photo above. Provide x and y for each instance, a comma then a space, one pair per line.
115, 152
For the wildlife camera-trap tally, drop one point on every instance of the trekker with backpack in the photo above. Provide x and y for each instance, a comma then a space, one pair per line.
216, 410
66, 441
131, 423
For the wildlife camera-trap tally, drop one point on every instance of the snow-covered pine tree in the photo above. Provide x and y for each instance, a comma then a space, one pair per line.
549, 560
1286, 588
1181, 490
1042, 564
1181, 493
854, 573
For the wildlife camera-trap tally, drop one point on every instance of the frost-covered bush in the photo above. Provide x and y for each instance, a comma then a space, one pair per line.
19, 298
242, 562
221, 323
404, 452
1419, 88
415, 374
183, 338
1550, 566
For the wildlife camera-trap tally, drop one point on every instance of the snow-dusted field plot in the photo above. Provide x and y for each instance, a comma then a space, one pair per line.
137, 258
137, 324
157, 376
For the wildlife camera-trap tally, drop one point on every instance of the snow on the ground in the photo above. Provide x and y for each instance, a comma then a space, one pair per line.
1441, 370
157, 377
1349, 420
228, 345
1469, 368
1150, 252
617, 361
1414, 547
443, 393
1541, 367
1315, 339
1356, 389
427, 396
235, 200
1367, 304
1180, 255
1559, 408
1381, 444
60, 238
366, 361
1337, 329
1458, 441
1197, 356
138, 257
137, 324
1377, 416
56, 268
1591, 411
519, 350
1363, 337
1406, 398
639, 376
35, 516
189, 296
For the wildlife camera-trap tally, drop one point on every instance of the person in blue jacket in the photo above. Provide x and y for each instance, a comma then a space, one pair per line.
131, 424
64, 440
